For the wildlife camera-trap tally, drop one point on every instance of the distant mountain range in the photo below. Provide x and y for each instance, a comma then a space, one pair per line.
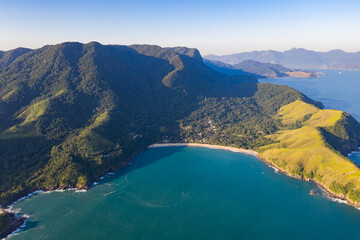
297, 58
259, 69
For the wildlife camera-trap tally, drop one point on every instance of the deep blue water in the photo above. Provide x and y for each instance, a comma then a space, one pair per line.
191, 193
334, 90
199, 193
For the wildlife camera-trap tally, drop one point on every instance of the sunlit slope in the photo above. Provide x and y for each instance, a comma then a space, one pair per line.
72, 112
305, 151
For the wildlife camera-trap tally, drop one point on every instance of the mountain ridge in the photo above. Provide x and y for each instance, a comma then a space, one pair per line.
72, 112
297, 58
259, 69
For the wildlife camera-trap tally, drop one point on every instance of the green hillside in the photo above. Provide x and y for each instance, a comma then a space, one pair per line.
71, 112
306, 152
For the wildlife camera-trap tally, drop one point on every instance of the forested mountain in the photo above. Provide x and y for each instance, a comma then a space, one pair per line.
71, 112
297, 58
258, 69
6, 58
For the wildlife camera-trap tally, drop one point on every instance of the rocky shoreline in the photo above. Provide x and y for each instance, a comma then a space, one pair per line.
320, 185
12, 223
15, 222
271, 164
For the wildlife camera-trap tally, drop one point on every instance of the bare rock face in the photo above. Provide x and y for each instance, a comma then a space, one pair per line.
12, 223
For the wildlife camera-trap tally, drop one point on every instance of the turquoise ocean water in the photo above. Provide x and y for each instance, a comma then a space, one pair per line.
199, 193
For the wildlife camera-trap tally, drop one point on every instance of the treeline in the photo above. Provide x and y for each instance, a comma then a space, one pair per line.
71, 112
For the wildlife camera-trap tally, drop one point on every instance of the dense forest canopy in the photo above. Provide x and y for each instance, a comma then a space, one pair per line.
71, 112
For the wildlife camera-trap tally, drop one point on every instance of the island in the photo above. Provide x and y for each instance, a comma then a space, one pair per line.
73, 112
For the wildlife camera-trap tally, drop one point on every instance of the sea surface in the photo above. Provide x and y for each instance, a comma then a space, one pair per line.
199, 193
336, 89
190, 193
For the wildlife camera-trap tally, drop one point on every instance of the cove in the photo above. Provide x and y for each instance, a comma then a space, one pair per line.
190, 193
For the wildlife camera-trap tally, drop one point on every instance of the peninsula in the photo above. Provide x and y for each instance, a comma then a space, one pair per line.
73, 112
297, 58
260, 69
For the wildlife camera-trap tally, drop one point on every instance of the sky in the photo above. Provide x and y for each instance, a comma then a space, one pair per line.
213, 27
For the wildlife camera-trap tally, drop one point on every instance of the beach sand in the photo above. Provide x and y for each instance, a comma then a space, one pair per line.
233, 149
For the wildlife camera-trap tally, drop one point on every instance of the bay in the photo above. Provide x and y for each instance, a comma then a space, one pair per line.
190, 193
200, 193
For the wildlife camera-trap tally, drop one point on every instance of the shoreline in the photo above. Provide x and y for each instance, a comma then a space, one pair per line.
332, 196
95, 181
219, 147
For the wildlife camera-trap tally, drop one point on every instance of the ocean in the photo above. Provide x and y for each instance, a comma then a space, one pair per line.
201, 193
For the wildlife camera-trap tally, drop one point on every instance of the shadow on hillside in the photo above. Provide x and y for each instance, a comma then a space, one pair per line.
230, 71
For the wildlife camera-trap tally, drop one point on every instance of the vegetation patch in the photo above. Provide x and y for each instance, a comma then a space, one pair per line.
3, 223
86, 109
307, 153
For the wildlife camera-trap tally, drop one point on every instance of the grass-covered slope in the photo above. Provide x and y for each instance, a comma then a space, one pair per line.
305, 151
71, 112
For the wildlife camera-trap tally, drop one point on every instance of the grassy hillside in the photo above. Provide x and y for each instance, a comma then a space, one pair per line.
71, 112
305, 151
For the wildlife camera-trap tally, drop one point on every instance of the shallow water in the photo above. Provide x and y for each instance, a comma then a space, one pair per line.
191, 193
199, 193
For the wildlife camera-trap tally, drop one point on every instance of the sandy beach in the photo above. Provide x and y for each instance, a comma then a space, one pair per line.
233, 149
332, 196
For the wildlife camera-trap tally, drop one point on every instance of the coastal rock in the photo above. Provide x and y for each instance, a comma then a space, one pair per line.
12, 223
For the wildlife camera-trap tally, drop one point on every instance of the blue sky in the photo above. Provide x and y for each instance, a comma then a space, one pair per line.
219, 27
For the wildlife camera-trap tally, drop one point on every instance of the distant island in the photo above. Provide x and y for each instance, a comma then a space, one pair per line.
73, 112
297, 58
259, 69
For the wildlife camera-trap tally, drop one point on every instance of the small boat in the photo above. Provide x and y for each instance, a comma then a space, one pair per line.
312, 193
340, 73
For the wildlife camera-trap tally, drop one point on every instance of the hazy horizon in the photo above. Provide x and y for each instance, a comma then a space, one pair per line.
258, 50
213, 27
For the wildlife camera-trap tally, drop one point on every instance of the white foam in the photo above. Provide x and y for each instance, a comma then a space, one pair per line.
28, 196
334, 199
20, 229
80, 190
338, 200
275, 169
60, 190
107, 174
